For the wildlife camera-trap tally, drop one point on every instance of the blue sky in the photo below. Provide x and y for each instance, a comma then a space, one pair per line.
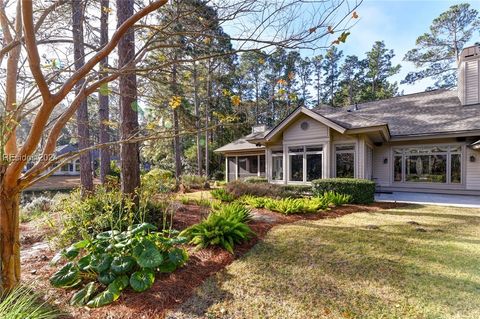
398, 23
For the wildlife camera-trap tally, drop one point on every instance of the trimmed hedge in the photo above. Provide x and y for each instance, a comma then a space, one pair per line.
362, 191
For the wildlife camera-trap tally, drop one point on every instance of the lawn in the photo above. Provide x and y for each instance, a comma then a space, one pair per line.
409, 262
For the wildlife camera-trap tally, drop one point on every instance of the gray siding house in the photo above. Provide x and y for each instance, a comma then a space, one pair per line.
423, 142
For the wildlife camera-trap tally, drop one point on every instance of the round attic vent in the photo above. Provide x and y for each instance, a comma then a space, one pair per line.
304, 126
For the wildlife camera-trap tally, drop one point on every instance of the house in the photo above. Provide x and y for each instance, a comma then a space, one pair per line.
72, 168
422, 142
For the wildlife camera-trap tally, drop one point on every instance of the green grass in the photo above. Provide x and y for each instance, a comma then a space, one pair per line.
364, 265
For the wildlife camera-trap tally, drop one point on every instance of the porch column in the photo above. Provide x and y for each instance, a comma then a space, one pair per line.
236, 168
226, 169
327, 160
286, 166
258, 165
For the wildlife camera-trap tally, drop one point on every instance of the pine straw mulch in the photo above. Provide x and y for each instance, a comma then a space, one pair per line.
169, 290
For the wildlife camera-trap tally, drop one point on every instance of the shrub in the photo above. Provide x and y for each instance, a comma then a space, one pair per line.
194, 182
23, 302
113, 260
218, 175
101, 211
42, 204
159, 180
222, 194
362, 191
255, 180
239, 189
234, 211
36, 208
296, 190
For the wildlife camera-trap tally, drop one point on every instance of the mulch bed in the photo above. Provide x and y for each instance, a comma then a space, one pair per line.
170, 290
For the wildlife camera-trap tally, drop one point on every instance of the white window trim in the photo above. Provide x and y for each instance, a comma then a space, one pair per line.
272, 155
304, 154
448, 153
355, 156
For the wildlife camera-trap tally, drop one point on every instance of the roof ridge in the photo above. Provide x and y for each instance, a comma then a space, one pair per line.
382, 100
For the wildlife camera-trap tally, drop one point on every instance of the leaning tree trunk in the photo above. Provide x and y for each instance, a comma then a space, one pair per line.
86, 176
129, 152
103, 99
9, 239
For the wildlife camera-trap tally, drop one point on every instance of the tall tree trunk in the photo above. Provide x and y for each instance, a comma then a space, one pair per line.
318, 88
83, 132
103, 98
9, 238
257, 108
207, 119
177, 148
197, 120
129, 152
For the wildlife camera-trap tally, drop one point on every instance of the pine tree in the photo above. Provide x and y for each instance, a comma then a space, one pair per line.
331, 73
317, 63
352, 81
437, 51
379, 68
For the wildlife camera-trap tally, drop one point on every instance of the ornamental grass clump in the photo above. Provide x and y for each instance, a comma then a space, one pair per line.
24, 302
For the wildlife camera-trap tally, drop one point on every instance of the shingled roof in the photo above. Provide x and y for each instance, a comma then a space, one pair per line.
420, 114
426, 113
242, 144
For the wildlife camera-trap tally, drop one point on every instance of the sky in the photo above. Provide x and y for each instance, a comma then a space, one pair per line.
398, 23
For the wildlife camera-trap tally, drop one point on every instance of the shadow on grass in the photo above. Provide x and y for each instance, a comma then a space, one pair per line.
337, 267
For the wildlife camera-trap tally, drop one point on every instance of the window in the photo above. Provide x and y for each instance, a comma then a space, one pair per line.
296, 163
305, 163
429, 164
77, 165
277, 165
345, 161
249, 166
232, 165
314, 162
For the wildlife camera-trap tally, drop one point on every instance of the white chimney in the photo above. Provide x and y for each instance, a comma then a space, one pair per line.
469, 76
259, 128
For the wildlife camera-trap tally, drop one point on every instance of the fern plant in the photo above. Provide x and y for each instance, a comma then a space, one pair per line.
218, 229
253, 201
336, 199
234, 211
222, 194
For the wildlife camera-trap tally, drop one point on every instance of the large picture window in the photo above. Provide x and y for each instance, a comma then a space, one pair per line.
345, 161
305, 163
277, 165
429, 164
